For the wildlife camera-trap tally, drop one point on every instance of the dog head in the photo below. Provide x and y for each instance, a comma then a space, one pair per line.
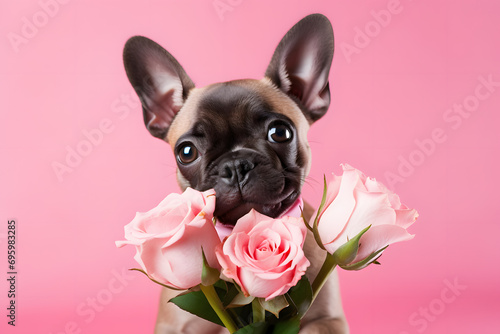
247, 139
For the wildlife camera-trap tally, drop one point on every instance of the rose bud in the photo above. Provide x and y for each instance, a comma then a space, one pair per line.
364, 212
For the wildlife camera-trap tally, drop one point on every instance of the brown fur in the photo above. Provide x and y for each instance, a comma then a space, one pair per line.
280, 102
326, 315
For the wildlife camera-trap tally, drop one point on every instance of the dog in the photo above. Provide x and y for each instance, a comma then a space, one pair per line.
247, 139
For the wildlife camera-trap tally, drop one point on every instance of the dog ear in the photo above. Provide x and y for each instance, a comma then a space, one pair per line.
159, 80
301, 64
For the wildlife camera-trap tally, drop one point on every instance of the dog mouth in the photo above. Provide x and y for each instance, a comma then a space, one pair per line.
246, 180
230, 213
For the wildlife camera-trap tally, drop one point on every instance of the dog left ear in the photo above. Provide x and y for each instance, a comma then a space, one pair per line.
301, 64
159, 80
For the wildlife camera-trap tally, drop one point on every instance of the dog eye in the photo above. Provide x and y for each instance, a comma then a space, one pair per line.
187, 153
279, 133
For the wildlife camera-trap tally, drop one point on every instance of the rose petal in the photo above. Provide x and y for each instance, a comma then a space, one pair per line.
374, 186
406, 217
296, 229
377, 237
261, 255
227, 265
150, 258
371, 209
336, 215
271, 237
169, 238
263, 288
247, 222
234, 247
333, 190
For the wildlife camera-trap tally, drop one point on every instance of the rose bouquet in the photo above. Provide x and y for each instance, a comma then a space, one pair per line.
251, 279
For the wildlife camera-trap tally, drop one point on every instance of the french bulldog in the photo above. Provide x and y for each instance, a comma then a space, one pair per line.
247, 139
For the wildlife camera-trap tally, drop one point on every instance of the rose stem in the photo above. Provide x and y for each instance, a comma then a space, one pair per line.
323, 274
259, 313
214, 301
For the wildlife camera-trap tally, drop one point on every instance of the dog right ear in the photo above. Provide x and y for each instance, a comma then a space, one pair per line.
159, 80
301, 64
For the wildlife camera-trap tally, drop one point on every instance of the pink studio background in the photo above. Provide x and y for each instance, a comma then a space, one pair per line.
393, 91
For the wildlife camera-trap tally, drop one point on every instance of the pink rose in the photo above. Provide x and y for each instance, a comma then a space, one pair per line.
263, 255
355, 202
169, 238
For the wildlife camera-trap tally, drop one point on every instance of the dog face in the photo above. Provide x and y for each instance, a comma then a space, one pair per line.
247, 139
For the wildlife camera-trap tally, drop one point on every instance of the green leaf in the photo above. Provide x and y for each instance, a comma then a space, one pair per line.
364, 263
209, 275
163, 285
228, 294
258, 312
346, 253
221, 284
305, 221
291, 326
240, 300
196, 303
300, 296
316, 220
274, 305
241, 314
255, 328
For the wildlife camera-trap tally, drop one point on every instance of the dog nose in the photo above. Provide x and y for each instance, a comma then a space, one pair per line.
235, 171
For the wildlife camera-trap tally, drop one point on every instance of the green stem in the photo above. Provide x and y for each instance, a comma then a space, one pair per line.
214, 301
323, 274
259, 313
236, 318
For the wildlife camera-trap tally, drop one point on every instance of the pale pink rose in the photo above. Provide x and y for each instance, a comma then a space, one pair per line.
263, 255
355, 202
170, 237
